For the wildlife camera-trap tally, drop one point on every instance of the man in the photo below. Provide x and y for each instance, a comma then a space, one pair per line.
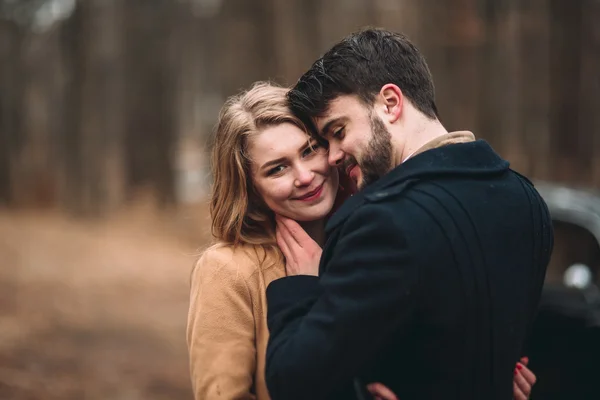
432, 272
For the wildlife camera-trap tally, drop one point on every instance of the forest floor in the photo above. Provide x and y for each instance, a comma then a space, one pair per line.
96, 309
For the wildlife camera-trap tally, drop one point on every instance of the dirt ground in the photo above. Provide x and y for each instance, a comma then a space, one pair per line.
96, 309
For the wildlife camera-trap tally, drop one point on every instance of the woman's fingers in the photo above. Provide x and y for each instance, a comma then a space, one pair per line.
295, 231
527, 374
518, 393
282, 242
380, 391
523, 385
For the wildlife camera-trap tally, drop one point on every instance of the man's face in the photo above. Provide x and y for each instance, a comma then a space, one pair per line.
359, 141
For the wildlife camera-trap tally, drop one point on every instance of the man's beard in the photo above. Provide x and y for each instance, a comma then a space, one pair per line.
377, 158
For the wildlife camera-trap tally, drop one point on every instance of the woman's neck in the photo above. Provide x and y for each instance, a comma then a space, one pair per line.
315, 229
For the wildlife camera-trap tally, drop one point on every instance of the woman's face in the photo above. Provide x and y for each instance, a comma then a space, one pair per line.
291, 173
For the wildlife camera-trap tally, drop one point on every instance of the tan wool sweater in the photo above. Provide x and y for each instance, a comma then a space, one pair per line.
227, 330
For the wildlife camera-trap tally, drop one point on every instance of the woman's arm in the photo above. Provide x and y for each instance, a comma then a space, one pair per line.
220, 331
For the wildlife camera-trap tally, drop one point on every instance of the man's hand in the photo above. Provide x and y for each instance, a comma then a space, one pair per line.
523, 381
302, 253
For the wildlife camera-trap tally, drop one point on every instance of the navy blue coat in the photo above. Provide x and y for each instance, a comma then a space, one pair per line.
429, 281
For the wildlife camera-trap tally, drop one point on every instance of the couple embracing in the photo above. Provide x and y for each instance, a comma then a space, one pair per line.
362, 250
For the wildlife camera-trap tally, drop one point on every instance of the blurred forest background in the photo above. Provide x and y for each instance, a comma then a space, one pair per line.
106, 111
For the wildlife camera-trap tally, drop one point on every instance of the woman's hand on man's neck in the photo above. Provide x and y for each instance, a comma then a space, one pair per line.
301, 251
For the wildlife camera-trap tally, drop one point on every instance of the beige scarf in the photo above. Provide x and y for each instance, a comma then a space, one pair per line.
448, 138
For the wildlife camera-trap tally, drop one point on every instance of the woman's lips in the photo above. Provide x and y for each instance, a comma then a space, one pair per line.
312, 194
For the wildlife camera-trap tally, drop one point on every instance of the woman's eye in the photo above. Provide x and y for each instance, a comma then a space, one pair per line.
275, 170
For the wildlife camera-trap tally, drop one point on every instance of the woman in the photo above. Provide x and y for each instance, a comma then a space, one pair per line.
264, 163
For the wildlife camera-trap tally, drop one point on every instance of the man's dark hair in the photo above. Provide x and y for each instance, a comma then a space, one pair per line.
361, 64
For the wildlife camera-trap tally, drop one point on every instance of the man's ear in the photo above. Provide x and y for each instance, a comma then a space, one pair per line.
392, 101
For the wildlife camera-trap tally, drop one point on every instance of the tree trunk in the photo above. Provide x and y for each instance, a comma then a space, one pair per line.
197, 95
500, 82
249, 57
150, 123
11, 81
27, 176
462, 41
94, 175
294, 46
70, 176
565, 75
589, 90
535, 93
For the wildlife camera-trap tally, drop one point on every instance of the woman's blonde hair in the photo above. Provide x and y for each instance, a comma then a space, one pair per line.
239, 216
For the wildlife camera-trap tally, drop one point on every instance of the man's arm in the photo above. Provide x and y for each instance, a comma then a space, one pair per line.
324, 330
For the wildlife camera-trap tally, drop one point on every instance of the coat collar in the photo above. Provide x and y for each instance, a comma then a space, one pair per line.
475, 158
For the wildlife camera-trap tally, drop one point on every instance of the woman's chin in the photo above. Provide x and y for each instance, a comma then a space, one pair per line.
314, 213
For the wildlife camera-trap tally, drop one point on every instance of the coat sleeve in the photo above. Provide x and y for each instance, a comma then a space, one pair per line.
335, 325
220, 331
542, 260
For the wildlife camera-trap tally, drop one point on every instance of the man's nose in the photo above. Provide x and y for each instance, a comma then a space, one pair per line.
304, 176
336, 155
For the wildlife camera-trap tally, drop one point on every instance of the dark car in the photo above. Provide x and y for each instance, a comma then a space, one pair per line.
565, 345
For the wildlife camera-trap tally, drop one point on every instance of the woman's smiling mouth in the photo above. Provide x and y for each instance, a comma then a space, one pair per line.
313, 194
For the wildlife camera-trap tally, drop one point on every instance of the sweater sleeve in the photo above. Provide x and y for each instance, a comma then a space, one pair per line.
220, 331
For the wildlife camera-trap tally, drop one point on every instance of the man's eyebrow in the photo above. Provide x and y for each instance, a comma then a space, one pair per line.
329, 124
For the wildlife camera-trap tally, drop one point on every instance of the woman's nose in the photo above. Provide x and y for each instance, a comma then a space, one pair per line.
304, 177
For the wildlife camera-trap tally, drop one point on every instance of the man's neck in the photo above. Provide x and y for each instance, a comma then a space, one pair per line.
421, 133
315, 229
